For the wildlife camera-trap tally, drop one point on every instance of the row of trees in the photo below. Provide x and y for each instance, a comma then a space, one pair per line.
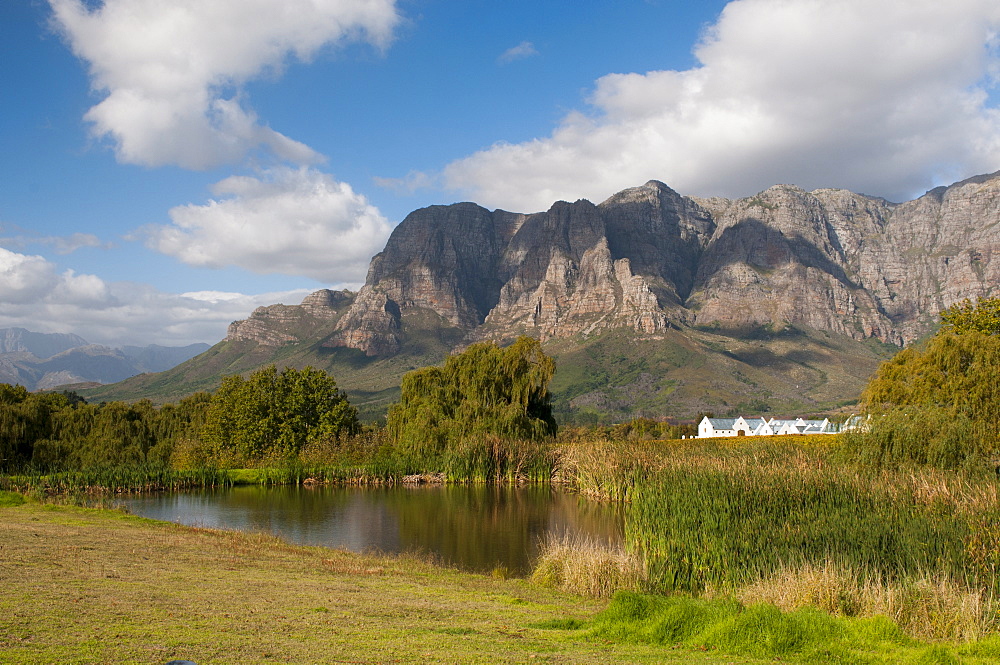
270, 414
60, 430
487, 392
934, 404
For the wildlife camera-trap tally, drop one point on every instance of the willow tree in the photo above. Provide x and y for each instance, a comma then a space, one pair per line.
939, 404
484, 391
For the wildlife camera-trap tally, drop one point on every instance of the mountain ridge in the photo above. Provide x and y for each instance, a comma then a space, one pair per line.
673, 305
649, 258
45, 361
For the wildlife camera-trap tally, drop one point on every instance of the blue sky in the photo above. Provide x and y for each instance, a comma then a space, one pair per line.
168, 167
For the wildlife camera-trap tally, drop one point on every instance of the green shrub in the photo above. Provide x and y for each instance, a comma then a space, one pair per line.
10, 499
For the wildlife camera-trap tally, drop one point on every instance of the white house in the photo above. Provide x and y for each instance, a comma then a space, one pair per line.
710, 427
740, 426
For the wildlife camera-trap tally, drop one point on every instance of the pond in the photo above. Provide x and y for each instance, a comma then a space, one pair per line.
472, 527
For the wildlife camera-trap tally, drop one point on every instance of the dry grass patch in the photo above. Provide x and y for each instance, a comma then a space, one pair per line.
581, 565
925, 607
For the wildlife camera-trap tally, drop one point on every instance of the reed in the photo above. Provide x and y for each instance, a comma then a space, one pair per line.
751, 519
494, 459
608, 470
473, 459
139, 477
724, 528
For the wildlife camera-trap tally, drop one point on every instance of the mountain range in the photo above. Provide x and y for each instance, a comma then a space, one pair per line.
653, 303
44, 361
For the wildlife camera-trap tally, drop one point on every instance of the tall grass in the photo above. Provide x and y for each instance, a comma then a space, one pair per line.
493, 459
473, 459
723, 529
369, 457
607, 470
923, 606
749, 518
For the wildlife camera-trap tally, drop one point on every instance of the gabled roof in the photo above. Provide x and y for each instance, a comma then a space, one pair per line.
722, 423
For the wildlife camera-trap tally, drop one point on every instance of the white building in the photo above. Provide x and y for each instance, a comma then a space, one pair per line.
716, 427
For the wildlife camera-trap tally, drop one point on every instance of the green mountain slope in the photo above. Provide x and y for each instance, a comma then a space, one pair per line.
605, 378
371, 383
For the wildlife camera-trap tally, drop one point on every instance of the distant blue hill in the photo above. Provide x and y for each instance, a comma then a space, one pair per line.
44, 361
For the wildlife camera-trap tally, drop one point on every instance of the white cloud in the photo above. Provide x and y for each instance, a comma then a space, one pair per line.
172, 70
61, 244
36, 296
86, 291
289, 221
410, 183
24, 278
882, 97
71, 243
519, 52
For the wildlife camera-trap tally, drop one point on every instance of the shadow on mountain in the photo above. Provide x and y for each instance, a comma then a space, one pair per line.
765, 248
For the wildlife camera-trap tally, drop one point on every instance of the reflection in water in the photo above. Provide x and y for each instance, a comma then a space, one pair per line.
473, 527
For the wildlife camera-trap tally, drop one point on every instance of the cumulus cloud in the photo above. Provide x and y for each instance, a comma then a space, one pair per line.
289, 221
172, 71
887, 98
35, 295
519, 52
25, 278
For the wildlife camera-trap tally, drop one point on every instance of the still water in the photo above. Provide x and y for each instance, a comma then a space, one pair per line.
475, 528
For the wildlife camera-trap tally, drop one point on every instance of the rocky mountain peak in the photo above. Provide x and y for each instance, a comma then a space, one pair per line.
325, 303
275, 325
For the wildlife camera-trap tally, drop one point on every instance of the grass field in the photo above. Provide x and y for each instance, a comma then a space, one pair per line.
92, 586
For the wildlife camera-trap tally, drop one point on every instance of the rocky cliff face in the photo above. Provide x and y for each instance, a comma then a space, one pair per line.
648, 259
275, 325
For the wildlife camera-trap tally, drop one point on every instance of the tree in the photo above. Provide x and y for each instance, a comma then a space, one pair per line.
275, 413
24, 419
484, 391
938, 404
966, 316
